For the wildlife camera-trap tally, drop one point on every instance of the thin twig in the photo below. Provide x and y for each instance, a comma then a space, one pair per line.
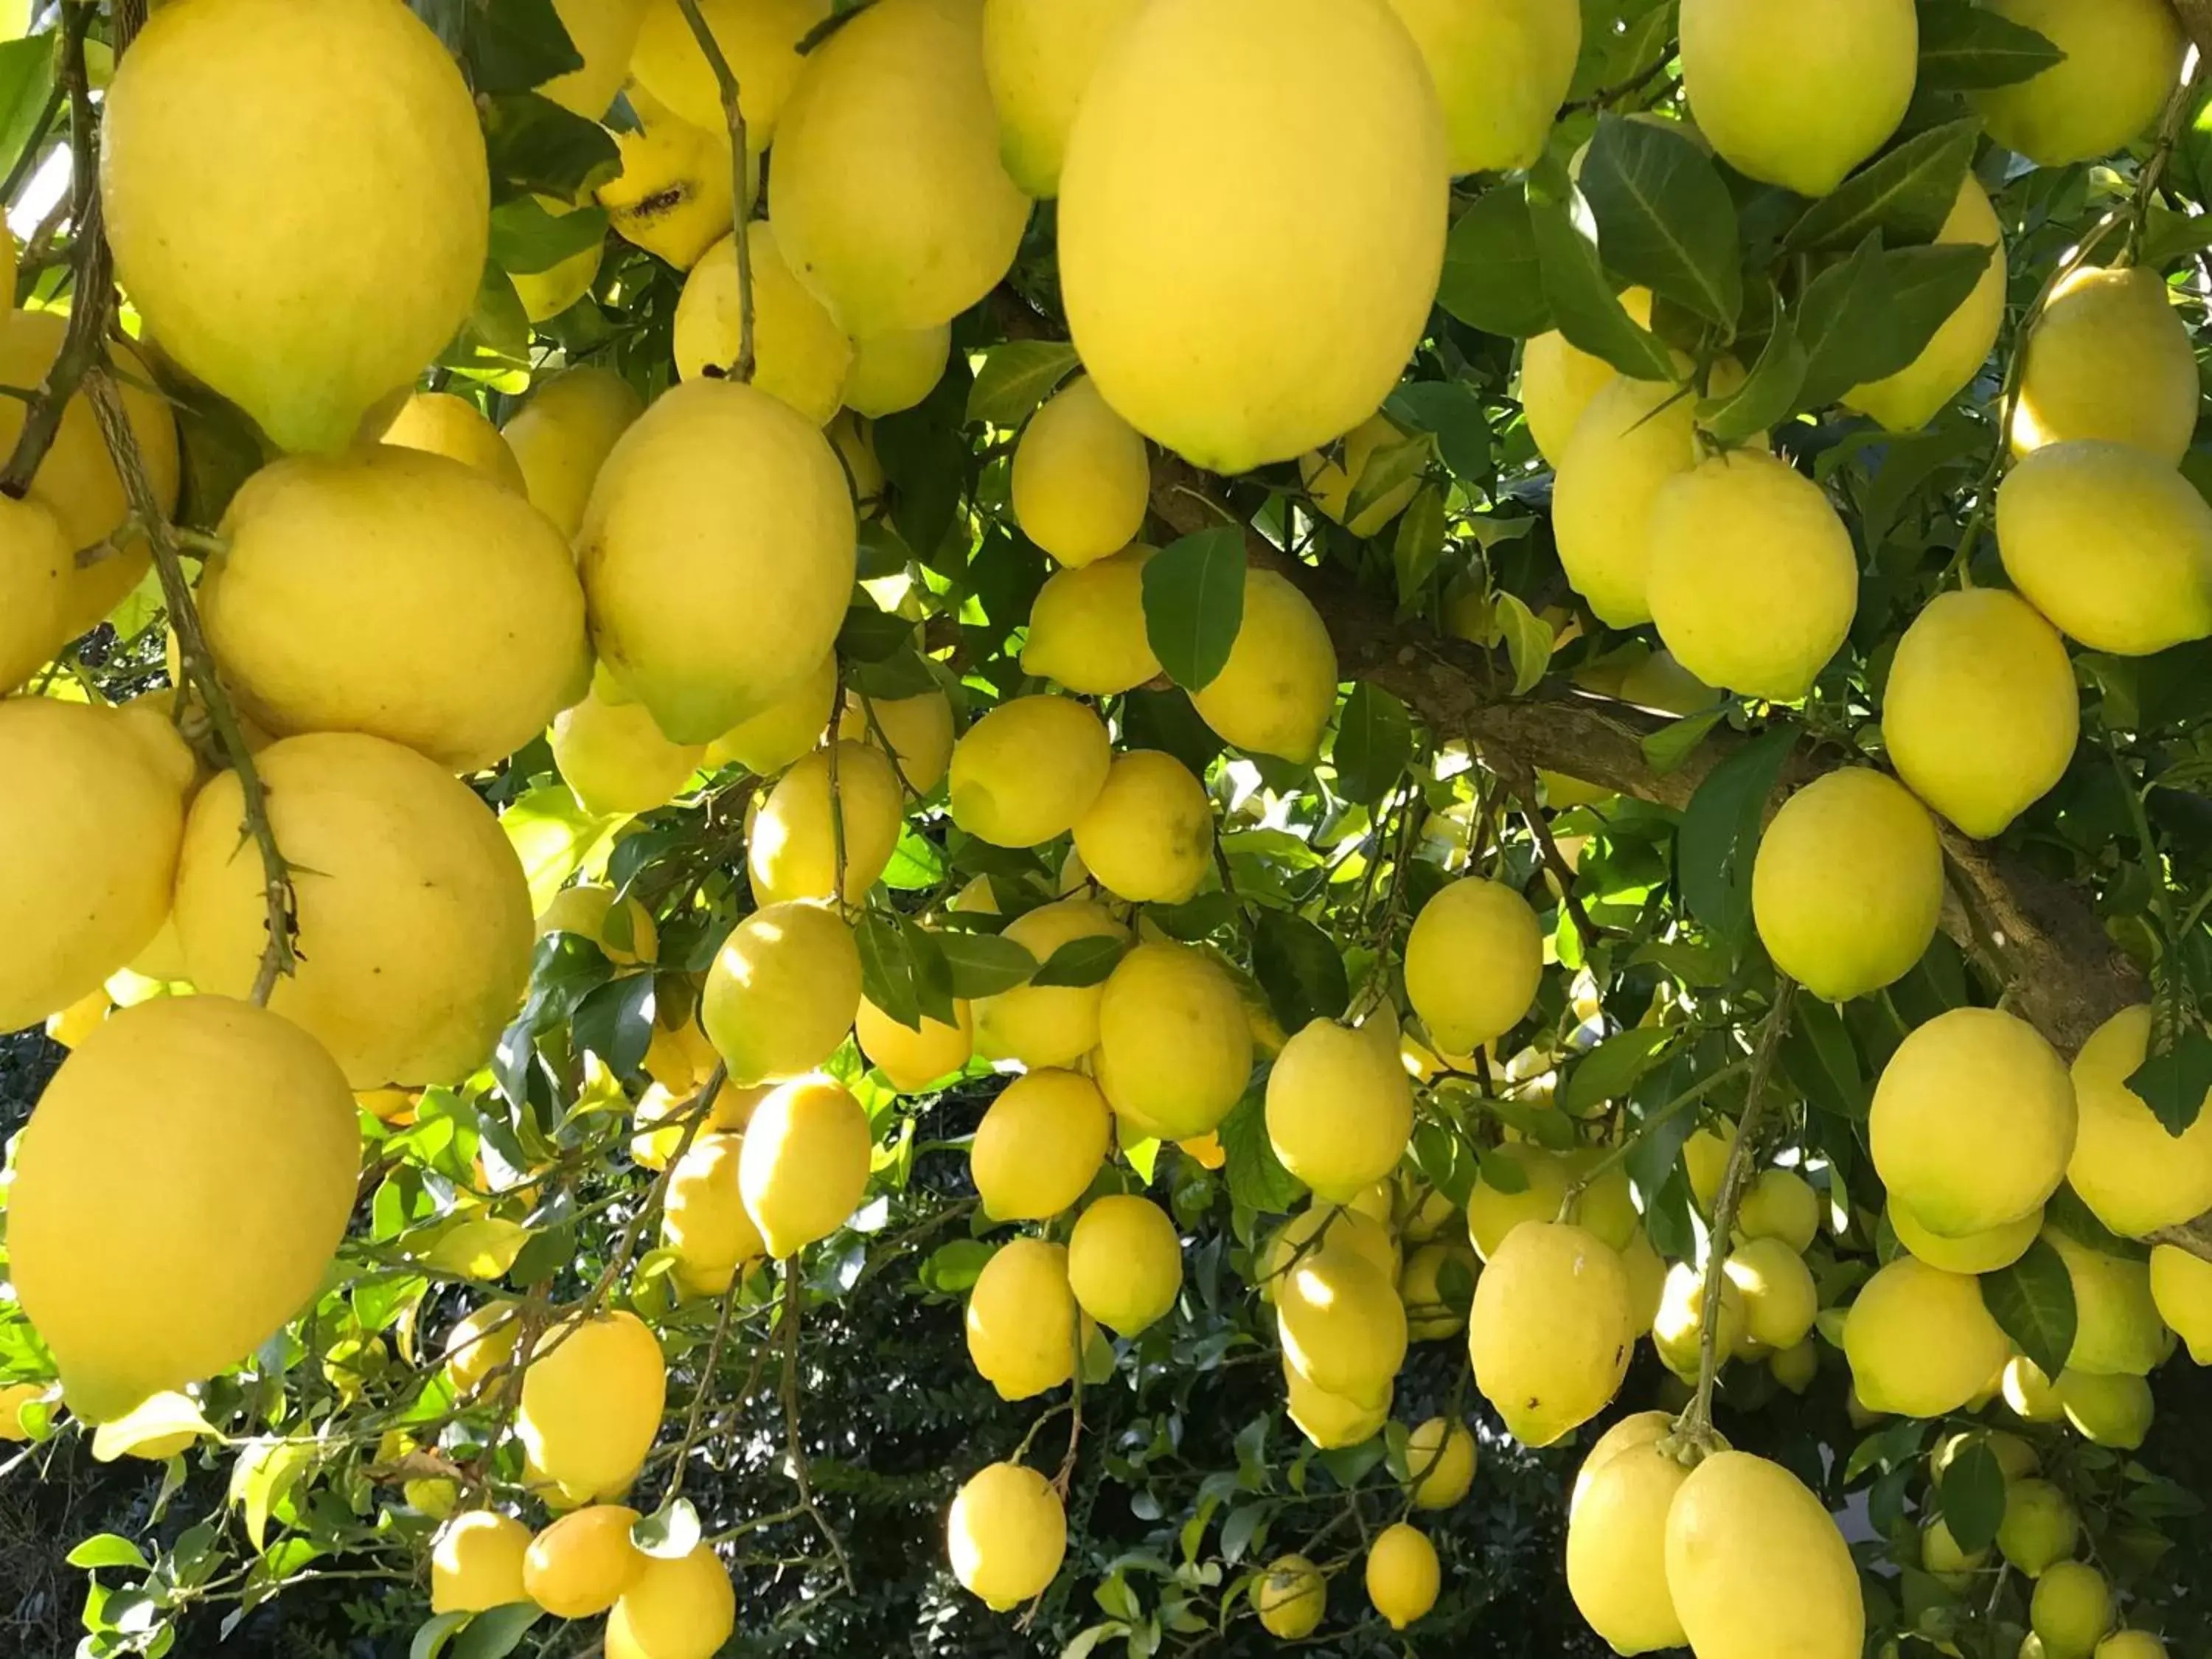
705, 1389
1618, 1154
740, 206
793, 1450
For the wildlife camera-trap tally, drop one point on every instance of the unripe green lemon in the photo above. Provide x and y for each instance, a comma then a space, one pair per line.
1274, 695
2123, 60
1338, 1112
1039, 55
782, 992
1920, 1341
1756, 1567
2117, 1327
1006, 1534
2128, 1169
1148, 836
1028, 770
1402, 1574
1291, 1597
1795, 1367
1617, 1538
1045, 1026
1341, 1324
1969, 1253
1175, 1048
2107, 1411
476, 1563
1087, 627
2130, 1645
1472, 962
1440, 1462
1125, 1262
1022, 1319
1947, 365
1549, 1332
805, 1163
2108, 359
1848, 885
1081, 477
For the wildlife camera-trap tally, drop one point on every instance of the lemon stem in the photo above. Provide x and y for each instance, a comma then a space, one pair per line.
740, 196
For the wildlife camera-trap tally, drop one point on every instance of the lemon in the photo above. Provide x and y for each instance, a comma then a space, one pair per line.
1920, 1341
442, 424
2110, 359
1039, 1145
2039, 1526
38, 569
2071, 1609
1947, 365
1980, 713
1125, 1262
2181, 1290
415, 925
1647, 1281
244, 297
1472, 962
588, 909
1006, 1534
1341, 1323
480, 1343
676, 567
2123, 61
1969, 1253
2135, 1176
683, 1608
805, 1163
613, 756
90, 826
1779, 1298
656, 1138
1432, 1310
1293, 1242
1617, 1537
604, 32
1780, 1204
800, 353
14, 1397
1039, 55
1799, 98
2029, 1392
2130, 1645
911, 1058
397, 594
890, 201
1440, 1460
674, 196
1549, 1333
2117, 1327
575, 1568
704, 1216
1492, 1212
1944, 1561
1174, 1050
2110, 543
1756, 1567
476, 1563
1558, 381
1087, 628
1795, 1367
1848, 884
2107, 1411
2014, 1456
1633, 438
1972, 1121
786, 729
561, 435
782, 992
1022, 1332
1045, 1026
891, 373
1338, 1112
1330, 1422
1291, 1597
1501, 68
1704, 1160
807, 823
1148, 835
1678, 1327
1331, 484
1402, 1574
916, 732
1274, 695
1028, 770
592, 1400
1081, 479
759, 39
1197, 331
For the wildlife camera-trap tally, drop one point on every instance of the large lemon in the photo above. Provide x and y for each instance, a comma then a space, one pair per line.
837, 811
1947, 365
1617, 1539
1318, 118
2135, 1176
575, 1568
1633, 439
1006, 1534
1081, 479
1549, 1334
1501, 68
2123, 60
721, 516
1039, 1145
910, 1058
1472, 962
679, 1608
1339, 1110
415, 925
1848, 886
1402, 1574
1920, 1341
916, 732
1087, 628
2181, 1291
1046, 1025
890, 373
1274, 695
2111, 543
1148, 836
1022, 1317
786, 729
244, 296
1028, 770
1125, 1262
562, 435
1290, 1598
1174, 1050
591, 1398
759, 40
1039, 55
1980, 713
673, 195
782, 992
1799, 96
1972, 1121
703, 1217
800, 353
2109, 358
476, 1563
398, 593
805, 1163
179, 1190
445, 423
1756, 1567
614, 758
890, 201
38, 571
1558, 381
2117, 1328
1341, 1323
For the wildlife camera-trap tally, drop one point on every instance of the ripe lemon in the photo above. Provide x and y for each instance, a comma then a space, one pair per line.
1291, 1597
2113, 1410
2117, 1327
914, 1058
547, 293
1920, 1341
1274, 695
2108, 359
1678, 1327
805, 1163
1338, 1112
1435, 1310
675, 568
1501, 68
1549, 1333
890, 201
1780, 1204
443, 423
1440, 1460
1756, 1567
1472, 962
1402, 1574
1492, 1212
782, 992
2123, 60
1633, 439
244, 297
90, 826
1559, 380
672, 197
592, 1398
890, 373
198, 1134
2039, 1526
613, 756
1022, 1332
1341, 1323
2071, 1609
480, 1343
398, 593
38, 569
2130, 1645
2110, 543
14, 1397
2135, 1175
476, 1563
683, 1608
575, 1568
1947, 365
1331, 484
604, 33
1798, 97
1330, 1422
1972, 1122
1969, 1253
1006, 1534
1779, 1298
1174, 1050
1039, 55
759, 39
561, 435
1125, 1262
1335, 1224
2181, 1290
1980, 713
1028, 770
794, 844
656, 1138
1046, 1025
1944, 1561
1148, 836
1705, 1161
415, 925
1039, 1145
703, 1217
917, 732
1617, 1537
1197, 331
1087, 627
800, 353
2028, 1392
589, 909
1848, 885
1081, 477
784, 730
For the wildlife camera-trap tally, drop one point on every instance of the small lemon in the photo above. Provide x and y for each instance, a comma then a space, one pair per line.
1125, 1263
913, 1058
1440, 1462
1081, 477
1087, 628
575, 1568
1402, 1574
1338, 1112
1006, 1534
1291, 1597
1046, 1025
476, 1563
1022, 1331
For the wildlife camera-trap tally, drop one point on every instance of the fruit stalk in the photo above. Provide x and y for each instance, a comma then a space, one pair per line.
727, 80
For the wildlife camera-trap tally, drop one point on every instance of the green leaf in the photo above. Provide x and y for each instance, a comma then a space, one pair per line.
554, 836
984, 964
1664, 218
108, 1549
1494, 277
1844, 324
2174, 1084
1452, 410
1419, 543
1587, 311
952, 1268
1503, 1175
1374, 744
496, 338
615, 1021
1016, 378
1611, 1070
1965, 47
1195, 604
1721, 828
917, 863
432, 1637
1906, 195
512, 45
1528, 640
1926, 285
537, 145
1819, 1056
1085, 961
497, 1631
1298, 966
886, 970
527, 238
1973, 1497
869, 635
1257, 1179
670, 1533
27, 81
1386, 469
1768, 396
1666, 750
2033, 1302
265, 1472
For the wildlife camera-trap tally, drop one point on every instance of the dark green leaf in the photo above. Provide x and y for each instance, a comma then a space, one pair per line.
543, 1254
1721, 830
1494, 278
512, 45
882, 552
496, 1632
1193, 918
536, 144
1016, 377
1965, 47
1906, 195
1503, 1175
2033, 1302
2173, 1084
886, 969
1085, 961
1844, 324
1165, 720
1389, 468
1819, 1057
526, 238
1257, 1179
1453, 412
1926, 285
1299, 967
870, 635
917, 863
932, 974
431, 1636
1973, 1497
615, 1021
983, 964
1195, 604
903, 673
1419, 543
1584, 303
1664, 218
1374, 744
929, 465
1611, 1070
497, 336
1770, 393
27, 81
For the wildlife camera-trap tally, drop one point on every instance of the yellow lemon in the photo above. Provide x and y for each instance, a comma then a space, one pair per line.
916, 732
443, 423
656, 1137
1440, 1460
2130, 1645
1947, 365
480, 1343
1125, 1262
1174, 1050
1492, 1212
1318, 1223
604, 32
1341, 1323
614, 758
1779, 1298
1338, 1112
1780, 1204
1328, 1421
703, 1217
575, 1568
476, 1563
890, 373
1941, 1558
1274, 695
1559, 380
1755, 1566
2181, 1290
546, 293
38, 569
1549, 1333
1081, 479
1633, 439
805, 1163
14, 1397
912, 1057
2071, 1609
1332, 484
800, 353
1969, 1253
1046, 1025
2123, 60
2039, 1526
786, 729
683, 1608
2107, 1411
1434, 1309
1848, 884
1039, 1145
1087, 627
2117, 1327
625, 935
1402, 1574
1647, 1281
841, 802
2109, 358
561, 436
758, 39
1920, 1341
1039, 55
2135, 1176
782, 992
1617, 1539
1006, 1534
1028, 770
1678, 1327
592, 1400
1501, 68
1472, 962
674, 196
1022, 1317
1291, 1597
